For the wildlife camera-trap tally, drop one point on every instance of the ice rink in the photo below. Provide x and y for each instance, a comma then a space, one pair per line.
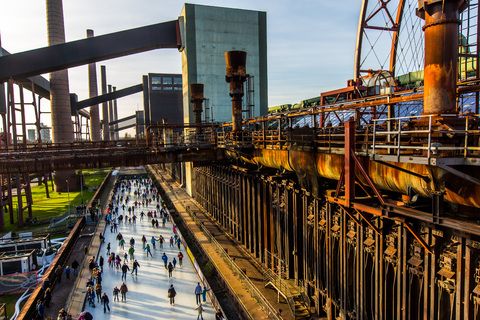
147, 292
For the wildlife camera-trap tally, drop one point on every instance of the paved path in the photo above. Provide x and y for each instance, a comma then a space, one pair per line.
147, 292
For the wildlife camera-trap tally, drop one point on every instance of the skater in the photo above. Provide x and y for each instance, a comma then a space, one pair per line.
170, 269
180, 258
67, 272
135, 267
165, 259
117, 261
132, 242
123, 291
100, 262
105, 302
171, 294
204, 294
171, 242
108, 248
121, 244
153, 241
58, 273
115, 294
144, 241
179, 242
98, 291
125, 268
174, 261
147, 249
200, 312
91, 296
161, 240
75, 266
131, 252
198, 292
110, 261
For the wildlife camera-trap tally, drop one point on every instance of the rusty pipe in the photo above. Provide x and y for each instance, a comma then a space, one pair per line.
441, 54
197, 97
236, 75
329, 166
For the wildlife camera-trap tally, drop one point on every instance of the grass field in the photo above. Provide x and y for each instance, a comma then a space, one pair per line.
10, 300
45, 208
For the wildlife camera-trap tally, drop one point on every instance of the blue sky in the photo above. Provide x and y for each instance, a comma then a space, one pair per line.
310, 42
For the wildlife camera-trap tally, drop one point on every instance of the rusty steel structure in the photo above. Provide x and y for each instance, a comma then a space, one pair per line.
236, 75
367, 204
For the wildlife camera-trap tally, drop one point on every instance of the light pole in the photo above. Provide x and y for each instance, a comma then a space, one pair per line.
81, 186
68, 195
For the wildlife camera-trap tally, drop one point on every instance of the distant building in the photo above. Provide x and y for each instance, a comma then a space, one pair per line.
165, 96
31, 135
45, 133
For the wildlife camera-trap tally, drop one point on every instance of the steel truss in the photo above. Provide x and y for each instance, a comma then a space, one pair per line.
349, 263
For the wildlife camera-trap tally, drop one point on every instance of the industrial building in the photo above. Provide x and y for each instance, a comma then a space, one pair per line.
166, 100
360, 203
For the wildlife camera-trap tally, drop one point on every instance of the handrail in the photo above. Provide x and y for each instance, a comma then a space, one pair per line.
253, 290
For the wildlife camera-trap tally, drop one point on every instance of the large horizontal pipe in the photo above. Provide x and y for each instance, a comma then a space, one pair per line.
425, 180
89, 50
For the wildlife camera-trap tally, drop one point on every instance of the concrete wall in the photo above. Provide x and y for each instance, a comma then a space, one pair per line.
209, 32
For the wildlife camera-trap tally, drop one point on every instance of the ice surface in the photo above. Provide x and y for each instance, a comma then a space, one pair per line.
147, 292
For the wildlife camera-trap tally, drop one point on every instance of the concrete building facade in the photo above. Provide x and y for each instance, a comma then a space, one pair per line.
208, 32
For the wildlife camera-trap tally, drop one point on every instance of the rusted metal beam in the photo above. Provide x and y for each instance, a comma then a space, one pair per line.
417, 237
349, 164
80, 52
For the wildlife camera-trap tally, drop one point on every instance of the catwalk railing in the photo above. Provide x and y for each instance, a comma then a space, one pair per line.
434, 140
259, 297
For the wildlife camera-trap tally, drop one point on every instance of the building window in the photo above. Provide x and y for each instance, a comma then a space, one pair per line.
167, 80
177, 80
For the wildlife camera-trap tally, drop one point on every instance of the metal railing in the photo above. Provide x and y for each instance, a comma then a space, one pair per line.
256, 294
422, 136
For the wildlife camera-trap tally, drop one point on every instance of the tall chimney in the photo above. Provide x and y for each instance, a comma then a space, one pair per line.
441, 54
115, 116
106, 128
110, 112
62, 126
236, 75
95, 130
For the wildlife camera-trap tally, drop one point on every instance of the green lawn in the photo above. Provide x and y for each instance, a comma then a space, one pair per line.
10, 300
45, 208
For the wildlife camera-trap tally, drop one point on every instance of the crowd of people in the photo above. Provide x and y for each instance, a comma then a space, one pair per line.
136, 201
133, 201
